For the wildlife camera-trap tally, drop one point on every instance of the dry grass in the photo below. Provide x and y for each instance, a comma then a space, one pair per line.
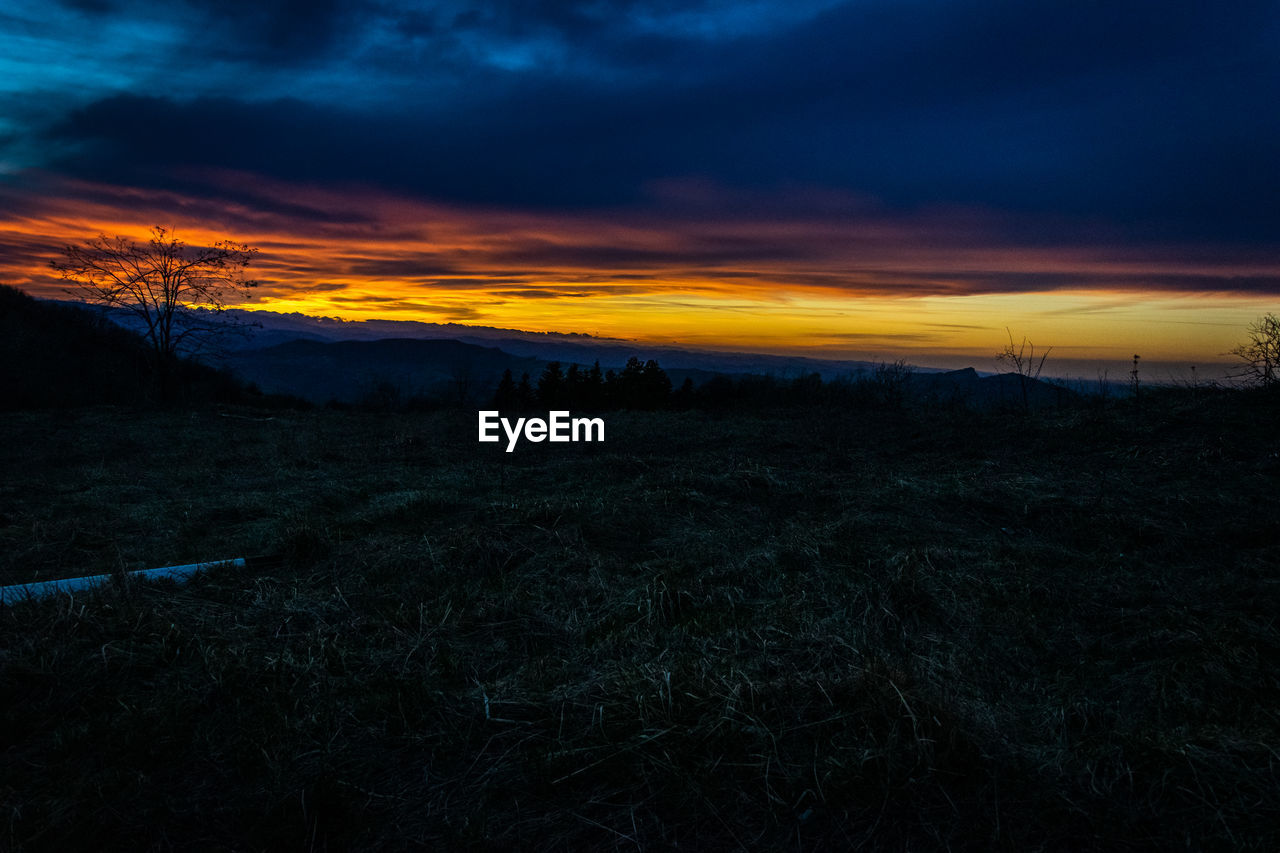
806, 631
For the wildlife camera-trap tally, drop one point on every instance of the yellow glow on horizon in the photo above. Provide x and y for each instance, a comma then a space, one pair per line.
1076, 324
860, 288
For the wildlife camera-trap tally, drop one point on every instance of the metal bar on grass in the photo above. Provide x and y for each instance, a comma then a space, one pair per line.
45, 589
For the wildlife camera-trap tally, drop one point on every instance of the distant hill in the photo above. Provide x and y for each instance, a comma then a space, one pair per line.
391, 372
355, 371
972, 388
322, 360
395, 370
677, 358
565, 347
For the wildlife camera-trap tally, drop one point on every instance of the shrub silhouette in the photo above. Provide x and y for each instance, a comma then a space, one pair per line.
506, 396
642, 385
1022, 358
551, 386
524, 392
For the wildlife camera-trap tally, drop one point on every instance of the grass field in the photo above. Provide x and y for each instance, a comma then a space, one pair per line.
803, 630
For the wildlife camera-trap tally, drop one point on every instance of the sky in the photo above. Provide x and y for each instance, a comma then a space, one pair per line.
863, 179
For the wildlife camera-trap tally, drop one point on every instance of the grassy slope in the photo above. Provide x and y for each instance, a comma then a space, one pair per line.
810, 630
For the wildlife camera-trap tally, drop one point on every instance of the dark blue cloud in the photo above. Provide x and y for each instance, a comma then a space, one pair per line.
267, 31
1152, 116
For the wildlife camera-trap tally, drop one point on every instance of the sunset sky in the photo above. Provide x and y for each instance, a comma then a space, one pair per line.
865, 179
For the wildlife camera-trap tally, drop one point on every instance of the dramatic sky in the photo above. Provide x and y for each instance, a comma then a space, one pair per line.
863, 178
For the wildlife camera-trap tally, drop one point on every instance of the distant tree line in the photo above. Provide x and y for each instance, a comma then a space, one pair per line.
639, 385
644, 385
883, 387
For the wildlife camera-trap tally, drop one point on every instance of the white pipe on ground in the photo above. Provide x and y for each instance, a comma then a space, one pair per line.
25, 591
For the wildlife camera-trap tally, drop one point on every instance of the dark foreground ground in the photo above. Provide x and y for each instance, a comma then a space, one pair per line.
810, 630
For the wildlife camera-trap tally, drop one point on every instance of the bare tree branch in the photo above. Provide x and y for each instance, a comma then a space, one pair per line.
171, 287
1022, 358
1261, 354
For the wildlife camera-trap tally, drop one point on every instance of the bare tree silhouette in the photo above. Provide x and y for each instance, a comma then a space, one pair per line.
1022, 358
1261, 354
176, 291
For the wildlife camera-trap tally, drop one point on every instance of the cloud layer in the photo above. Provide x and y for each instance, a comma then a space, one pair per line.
548, 152
1153, 116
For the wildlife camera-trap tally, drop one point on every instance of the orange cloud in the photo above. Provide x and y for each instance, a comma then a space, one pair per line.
692, 267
